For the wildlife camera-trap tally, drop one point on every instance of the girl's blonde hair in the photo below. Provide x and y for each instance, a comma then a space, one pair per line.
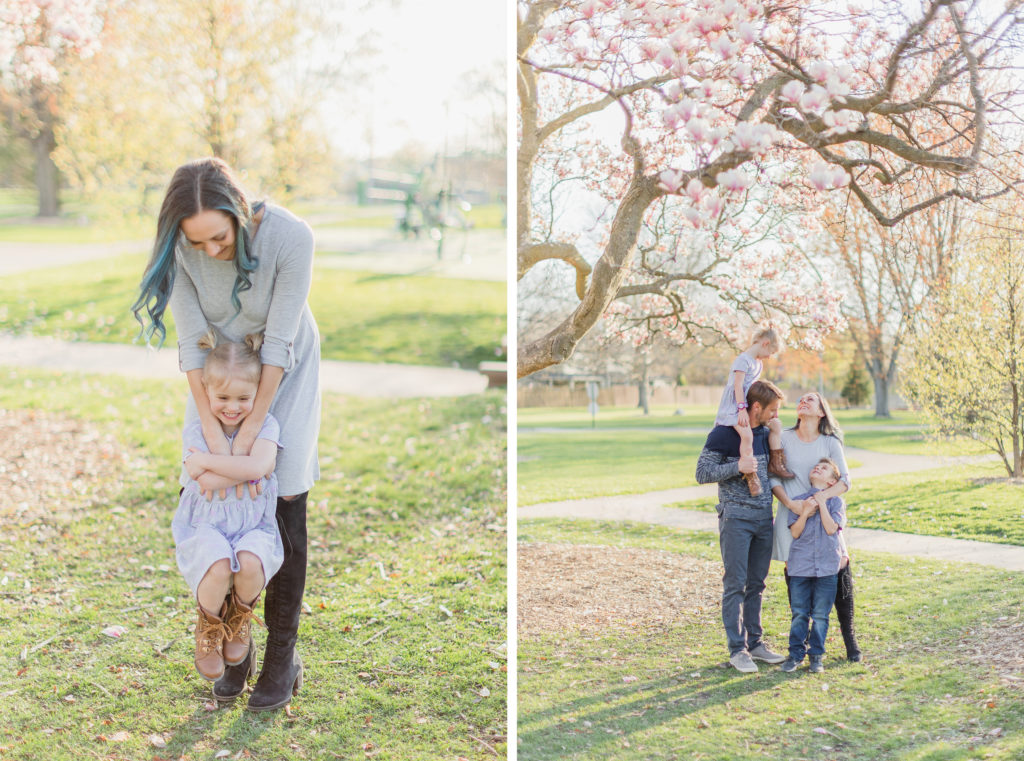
772, 335
228, 359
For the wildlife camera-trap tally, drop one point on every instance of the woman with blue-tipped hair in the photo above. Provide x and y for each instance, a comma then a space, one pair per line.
240, 268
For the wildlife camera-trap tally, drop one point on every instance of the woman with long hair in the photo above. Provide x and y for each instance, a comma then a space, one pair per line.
816, 435
221, 262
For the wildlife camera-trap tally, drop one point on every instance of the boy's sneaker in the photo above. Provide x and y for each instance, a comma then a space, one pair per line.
816, 665
789, 665
741, 661
762, 653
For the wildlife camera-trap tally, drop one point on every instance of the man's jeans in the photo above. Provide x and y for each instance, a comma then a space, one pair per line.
746, 544
811, 598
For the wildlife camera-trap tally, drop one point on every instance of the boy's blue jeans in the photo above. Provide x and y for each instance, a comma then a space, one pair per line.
812, 600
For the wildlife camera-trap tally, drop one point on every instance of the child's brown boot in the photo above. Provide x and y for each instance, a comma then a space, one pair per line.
239, 623
753, 483
777, 464
210, 634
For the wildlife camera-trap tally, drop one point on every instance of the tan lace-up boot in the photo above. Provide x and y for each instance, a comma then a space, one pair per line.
777, 464
753, 483
211, 631
239, 623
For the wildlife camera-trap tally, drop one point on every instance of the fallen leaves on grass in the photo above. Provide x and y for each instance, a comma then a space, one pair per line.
997, 646
590, 588
52, 462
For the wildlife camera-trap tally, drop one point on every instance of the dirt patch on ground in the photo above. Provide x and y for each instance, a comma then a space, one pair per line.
53, 463
997, 480
997, 646
583, 587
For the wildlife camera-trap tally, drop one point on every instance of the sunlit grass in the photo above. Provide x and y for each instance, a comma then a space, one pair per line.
665, 691
404, 636
361, 316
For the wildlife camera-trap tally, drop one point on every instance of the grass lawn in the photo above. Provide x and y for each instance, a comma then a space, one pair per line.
663, 416
577, 462
362, 317
663, 690
404, 636
575, 465
81, 220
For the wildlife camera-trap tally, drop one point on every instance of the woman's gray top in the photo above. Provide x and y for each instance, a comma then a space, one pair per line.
801, 457
276, 306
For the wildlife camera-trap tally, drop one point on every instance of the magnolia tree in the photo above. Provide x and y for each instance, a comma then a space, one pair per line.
38, 39
733, 119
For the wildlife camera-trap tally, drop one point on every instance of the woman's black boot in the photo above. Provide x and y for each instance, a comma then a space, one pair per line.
281, 675
844, 612
232, 683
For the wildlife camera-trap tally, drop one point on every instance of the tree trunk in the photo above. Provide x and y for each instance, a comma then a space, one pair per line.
47, 174
643, 386
881, 395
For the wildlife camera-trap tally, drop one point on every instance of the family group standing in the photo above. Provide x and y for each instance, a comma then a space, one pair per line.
808, 473
229, 269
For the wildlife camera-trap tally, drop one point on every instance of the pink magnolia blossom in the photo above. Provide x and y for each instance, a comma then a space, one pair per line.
819, 71
792, 91
734, 180
747, 32
824, 176
670, 180
698, 128
695, 190
815, 99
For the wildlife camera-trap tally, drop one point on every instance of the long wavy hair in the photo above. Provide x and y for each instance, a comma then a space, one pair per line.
827, 424
202, 185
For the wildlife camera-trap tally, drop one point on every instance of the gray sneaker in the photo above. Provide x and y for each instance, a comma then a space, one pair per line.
741, 661
815, 665
789, 666
762, 653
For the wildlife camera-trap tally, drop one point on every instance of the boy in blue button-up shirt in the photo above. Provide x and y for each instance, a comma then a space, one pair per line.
813, 567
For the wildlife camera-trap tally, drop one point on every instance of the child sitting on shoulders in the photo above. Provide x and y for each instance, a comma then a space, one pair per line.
732, 410
813, 567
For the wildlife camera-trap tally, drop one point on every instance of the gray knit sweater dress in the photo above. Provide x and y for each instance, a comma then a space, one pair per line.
276, 306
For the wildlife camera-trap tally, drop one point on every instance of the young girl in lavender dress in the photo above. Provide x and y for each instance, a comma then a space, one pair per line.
732, 410
228, 542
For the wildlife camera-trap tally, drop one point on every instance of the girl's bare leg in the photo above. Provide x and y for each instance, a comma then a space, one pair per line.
215, 586
774, 434
249, 580
746, 440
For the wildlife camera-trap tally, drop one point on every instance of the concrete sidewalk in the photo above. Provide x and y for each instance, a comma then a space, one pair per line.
652, 508
350, 378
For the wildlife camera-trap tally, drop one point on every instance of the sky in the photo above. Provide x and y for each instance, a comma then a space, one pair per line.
427, 49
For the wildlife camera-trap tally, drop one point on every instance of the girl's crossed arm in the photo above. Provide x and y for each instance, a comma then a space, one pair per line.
215, 472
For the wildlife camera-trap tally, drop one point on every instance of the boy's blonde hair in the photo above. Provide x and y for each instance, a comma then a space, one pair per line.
832, 464
772, 336
231, 360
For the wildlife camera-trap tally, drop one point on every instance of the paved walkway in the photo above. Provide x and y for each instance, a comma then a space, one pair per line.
352, 378
652, 507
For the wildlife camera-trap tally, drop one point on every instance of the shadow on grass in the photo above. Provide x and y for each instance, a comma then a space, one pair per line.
609, 722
